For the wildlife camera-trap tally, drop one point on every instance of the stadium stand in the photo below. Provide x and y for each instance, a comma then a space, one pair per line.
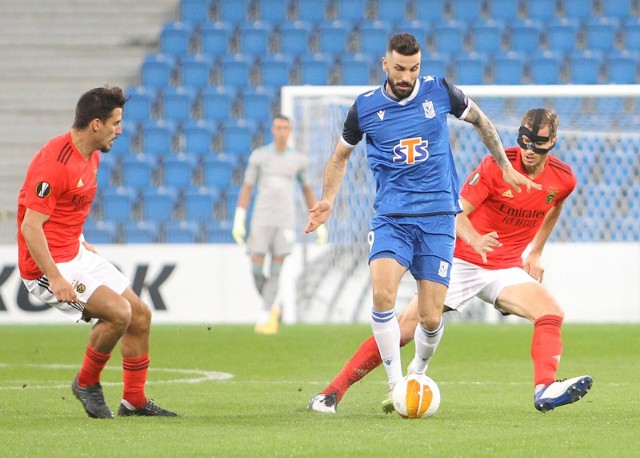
205, 95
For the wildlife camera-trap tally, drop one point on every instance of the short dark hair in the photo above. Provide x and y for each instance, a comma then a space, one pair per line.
403, 43
281, 116
98, 103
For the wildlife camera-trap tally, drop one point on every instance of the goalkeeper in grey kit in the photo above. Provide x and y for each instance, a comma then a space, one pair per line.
274, 170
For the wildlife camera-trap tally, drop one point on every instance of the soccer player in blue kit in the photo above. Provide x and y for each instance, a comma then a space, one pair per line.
417, 191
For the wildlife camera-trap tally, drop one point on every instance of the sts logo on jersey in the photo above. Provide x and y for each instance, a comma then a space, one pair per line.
411, 150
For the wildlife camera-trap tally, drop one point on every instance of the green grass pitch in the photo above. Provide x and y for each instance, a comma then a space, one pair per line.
483, 371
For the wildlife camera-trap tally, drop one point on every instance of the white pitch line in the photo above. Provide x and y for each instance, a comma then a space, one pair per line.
202, 376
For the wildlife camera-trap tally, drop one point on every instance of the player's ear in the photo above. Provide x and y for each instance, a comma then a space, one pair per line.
95, 124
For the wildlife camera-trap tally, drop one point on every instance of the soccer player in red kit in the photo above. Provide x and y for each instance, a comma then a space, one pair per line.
58, 267
493, 231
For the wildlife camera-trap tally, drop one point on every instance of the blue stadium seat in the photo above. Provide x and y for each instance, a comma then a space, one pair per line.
97, 232
449, 37
545, 68
158, 204
140, 232
524, 36
217, 102
622, 68
195, 70
469, 68
333, 37
431, 11
352, 11
158, 136
487, 36
394, 12
235, 69
237, 136
294, 37
214, 38
177, 102
182, 232
313, 10
125, 143
315, 69
219, 231
175, 38
105, 171
218, 172
157, 70
584, 67
197, 136
465, 10
620, 9
275, 69
138, 171
200, 203
419, 29
578, 9
118, 203
374, 36
178, 170
254, 37
631, 34
195, 11
508, 68
257, 103
433, 64
542, 10
141, 103
504, 10
600, 33
561, 34
233, 11
356, 69
273, 11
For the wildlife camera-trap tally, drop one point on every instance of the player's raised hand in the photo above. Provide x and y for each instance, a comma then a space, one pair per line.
318, 214
484, 244
515, 179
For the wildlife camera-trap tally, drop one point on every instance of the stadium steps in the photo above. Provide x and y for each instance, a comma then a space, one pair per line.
52, 51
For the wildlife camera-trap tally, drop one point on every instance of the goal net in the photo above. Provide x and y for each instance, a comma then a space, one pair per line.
598, 136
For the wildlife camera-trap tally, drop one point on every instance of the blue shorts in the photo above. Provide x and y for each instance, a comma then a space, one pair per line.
423, 244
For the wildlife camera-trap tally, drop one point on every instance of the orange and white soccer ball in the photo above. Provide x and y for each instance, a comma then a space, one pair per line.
416, 396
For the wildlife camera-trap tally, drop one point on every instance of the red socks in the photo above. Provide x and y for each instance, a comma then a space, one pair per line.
363, 361
92, 365
546, 348
134, 376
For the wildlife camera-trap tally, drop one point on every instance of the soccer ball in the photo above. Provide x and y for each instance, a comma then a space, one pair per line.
416, 396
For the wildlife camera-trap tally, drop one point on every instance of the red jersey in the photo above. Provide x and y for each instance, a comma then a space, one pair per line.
515, 216
60, 183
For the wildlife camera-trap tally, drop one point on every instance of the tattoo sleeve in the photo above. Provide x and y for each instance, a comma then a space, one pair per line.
487, 133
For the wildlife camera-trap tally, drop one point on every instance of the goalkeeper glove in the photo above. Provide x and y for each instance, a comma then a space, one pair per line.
322, 234
239, 230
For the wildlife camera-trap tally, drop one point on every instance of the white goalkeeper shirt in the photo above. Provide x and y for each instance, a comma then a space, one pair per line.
274, 176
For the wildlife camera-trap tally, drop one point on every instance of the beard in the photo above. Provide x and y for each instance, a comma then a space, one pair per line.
401, 92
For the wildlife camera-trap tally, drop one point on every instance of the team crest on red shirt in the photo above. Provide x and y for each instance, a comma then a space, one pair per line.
43, 189
551, 194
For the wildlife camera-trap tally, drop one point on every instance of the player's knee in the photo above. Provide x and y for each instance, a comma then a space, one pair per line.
140, 316
383, 299
121, 313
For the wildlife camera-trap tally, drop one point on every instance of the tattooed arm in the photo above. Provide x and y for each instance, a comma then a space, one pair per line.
491, 140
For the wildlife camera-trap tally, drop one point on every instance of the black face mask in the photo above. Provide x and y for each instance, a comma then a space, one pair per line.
532, 135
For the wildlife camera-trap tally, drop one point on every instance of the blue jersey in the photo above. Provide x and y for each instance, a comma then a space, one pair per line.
408, 146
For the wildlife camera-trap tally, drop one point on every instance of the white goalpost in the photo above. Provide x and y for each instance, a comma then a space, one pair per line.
599, 137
